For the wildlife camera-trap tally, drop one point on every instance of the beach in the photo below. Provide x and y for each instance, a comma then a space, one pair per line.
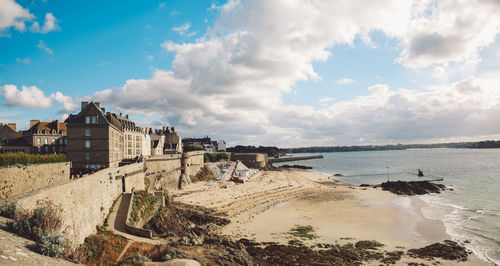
268, 205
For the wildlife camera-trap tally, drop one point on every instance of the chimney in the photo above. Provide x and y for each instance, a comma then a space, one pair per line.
120, 114
173, 130
126, 116
57, 126
84, 104
98, 104
13, 126
34, 122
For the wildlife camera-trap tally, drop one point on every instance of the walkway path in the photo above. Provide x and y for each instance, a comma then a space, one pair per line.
117, 218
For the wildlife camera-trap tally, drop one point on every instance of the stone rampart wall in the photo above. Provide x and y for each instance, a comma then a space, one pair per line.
193, 161
253, 160
165, 169
86, 201
16, 180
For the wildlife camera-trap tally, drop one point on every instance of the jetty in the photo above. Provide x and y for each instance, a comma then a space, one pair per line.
294, 158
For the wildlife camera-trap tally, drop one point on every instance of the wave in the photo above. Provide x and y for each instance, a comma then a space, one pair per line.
455, 217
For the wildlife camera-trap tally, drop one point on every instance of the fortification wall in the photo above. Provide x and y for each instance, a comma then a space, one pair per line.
86, 201
193, 161
165, 169
162, 163
253, 160
15, 180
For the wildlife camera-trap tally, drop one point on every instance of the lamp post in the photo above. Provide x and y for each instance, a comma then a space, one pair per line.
387, 173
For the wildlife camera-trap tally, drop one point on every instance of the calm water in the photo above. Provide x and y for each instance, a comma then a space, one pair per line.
470, 212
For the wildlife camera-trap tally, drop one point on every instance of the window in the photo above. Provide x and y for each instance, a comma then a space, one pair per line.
39, 149
60, 141
53, 141
87, 144
91, 119
46, 141
87, 132
61, 149
38, 141
87, 155
46, 149
65, 141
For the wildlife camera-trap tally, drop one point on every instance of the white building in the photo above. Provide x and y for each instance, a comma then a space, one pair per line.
221, 146
146, 145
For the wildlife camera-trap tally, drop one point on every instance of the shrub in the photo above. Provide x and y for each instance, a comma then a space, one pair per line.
25, 159
136, 259
215, 157
11, 210
52, 245
44, 219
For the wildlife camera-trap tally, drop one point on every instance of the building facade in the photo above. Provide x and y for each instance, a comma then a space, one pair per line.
46, 137
173, 143
95, 138
132, 136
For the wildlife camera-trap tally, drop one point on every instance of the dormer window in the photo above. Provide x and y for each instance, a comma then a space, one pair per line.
91, 119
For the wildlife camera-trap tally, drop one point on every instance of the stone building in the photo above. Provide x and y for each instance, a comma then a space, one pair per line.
8, 133
11, 140
46, 137
146, 143
206, 143
95, 138
132, 136
157, 142
173, 142
221, 146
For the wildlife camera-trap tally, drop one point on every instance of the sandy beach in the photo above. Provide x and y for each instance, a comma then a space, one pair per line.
267, 206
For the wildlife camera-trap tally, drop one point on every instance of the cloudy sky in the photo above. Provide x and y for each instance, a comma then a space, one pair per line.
284, 72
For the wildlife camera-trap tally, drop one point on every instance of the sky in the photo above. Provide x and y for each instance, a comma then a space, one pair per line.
288, 73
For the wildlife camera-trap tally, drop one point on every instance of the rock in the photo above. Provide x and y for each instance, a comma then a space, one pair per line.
412, 187
449, 250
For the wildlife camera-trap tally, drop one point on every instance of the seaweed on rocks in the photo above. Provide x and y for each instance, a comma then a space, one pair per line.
448, 250
411, 188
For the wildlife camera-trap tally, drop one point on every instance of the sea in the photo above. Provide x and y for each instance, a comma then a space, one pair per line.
470, 212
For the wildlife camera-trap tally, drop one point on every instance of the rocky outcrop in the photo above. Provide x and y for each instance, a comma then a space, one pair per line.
449, 250
412, 187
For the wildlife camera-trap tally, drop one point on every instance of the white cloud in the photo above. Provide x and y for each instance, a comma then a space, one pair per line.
182, 29
379, 89
230, 83
345, 81
29, 96
103, 63
13, 15
150, 57
23, 61
449, 31
326, 99
68, 104
49, 25
162, 5
42, 45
